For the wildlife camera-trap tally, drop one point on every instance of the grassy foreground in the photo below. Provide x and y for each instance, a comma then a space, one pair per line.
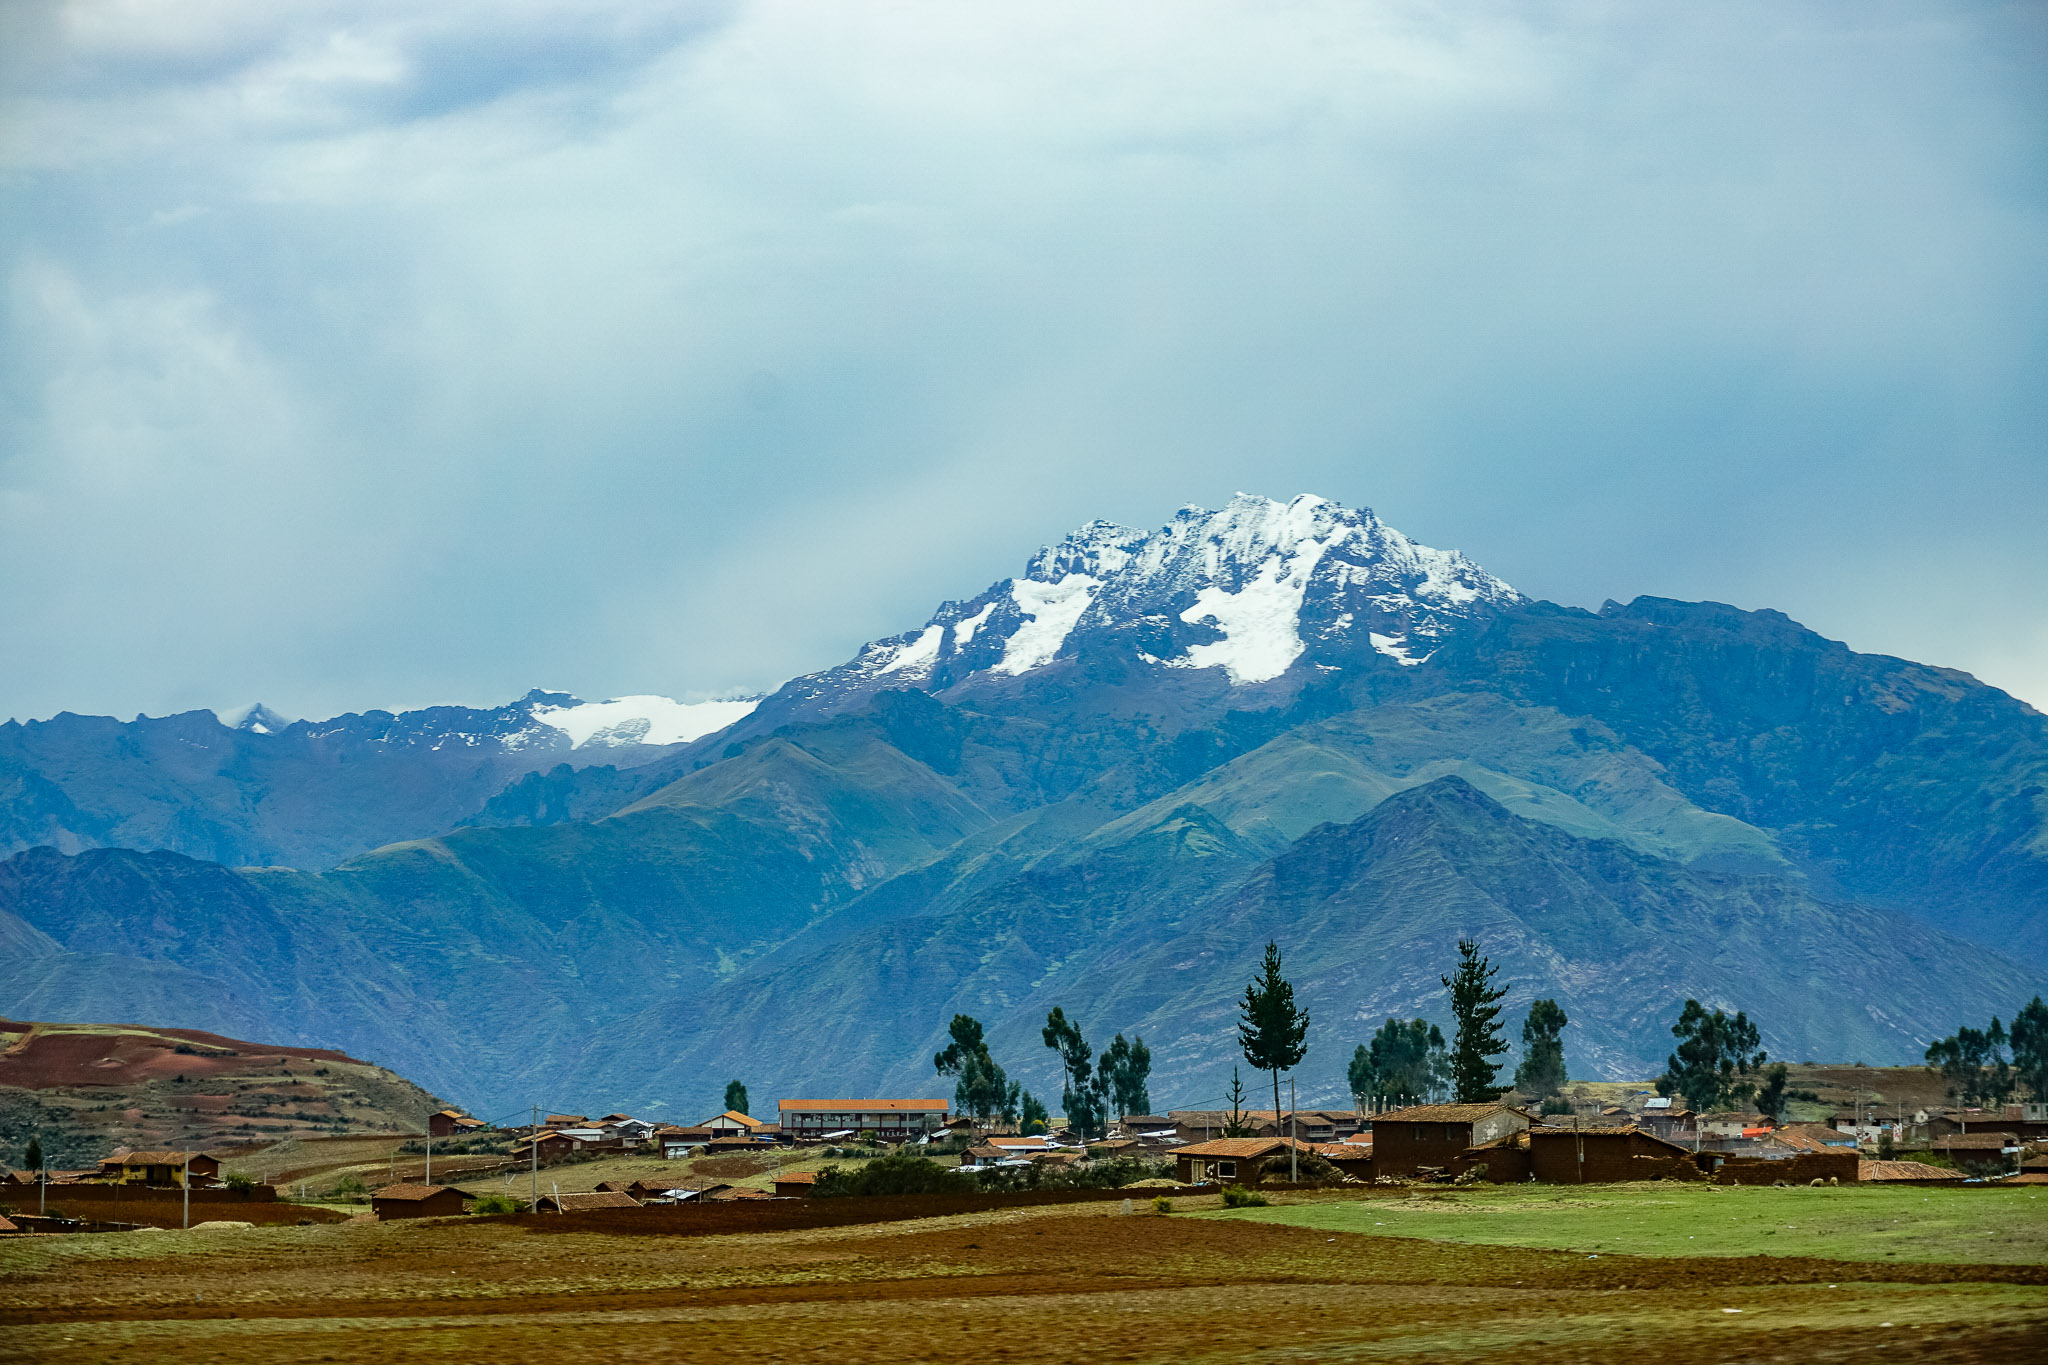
1848, 1223
1076, 1282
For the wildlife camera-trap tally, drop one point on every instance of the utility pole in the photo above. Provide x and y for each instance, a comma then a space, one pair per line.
187, 1182
428, 1179
1294, 1130
533, 1150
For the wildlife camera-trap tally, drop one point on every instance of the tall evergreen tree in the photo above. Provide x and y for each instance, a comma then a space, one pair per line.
1542, 1073
982, 1090
1082, 1097
1973, 1063
1034, 1118
1271, 1031
1238, 1124
1770, 1096
2030, 1049
1716, 1058
32, 1159
1124, 1072
1405, 1063
735, 1097
1475, 1004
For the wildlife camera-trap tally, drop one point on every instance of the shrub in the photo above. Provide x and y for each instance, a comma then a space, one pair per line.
1161, 1204
242, 1185
349, 1190
494, 1203
1238, 1197
900, 1174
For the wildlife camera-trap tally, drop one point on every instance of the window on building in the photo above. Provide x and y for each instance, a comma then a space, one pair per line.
1227, 1169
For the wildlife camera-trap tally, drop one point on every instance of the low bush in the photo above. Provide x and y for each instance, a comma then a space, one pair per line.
899, 1174
1161, 1204
1238, 1197
494, 1203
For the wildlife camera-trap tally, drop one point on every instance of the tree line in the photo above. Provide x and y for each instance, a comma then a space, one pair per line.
1094, 1087
1718, 1061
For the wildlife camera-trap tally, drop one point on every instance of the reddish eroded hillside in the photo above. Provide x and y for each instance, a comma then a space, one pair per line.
39, 1056
87, 1088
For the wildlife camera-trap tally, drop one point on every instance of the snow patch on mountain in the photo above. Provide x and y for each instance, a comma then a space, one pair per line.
641, 720
1260, 620
1054, 609
963, 630
1251, 588
920, 654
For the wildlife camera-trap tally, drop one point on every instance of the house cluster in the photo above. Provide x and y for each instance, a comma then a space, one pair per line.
797, 1122
160, 1169
1658, 1139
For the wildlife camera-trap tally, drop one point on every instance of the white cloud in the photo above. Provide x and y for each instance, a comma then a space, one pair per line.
447, 327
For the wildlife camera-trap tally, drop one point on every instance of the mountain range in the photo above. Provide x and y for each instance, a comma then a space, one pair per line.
1103, 784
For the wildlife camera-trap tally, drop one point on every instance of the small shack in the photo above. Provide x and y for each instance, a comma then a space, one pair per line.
585, 1203
796, 1184
1236, 1161
1426, 1139
417, 1201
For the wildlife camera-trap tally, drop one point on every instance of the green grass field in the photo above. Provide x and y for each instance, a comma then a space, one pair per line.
1847, 1223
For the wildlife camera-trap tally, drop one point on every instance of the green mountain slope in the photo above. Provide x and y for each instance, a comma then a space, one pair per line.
1156, 931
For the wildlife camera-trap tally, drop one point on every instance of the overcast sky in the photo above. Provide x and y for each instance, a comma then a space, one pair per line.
377, 354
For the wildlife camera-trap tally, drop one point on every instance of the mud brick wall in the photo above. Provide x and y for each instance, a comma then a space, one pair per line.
1797, 1170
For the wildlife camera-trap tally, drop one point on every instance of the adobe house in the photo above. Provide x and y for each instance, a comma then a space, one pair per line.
1235, 1161
159, 1169
452, 1123
796, 1184
1427, 1138
1605, 1154
417, 1201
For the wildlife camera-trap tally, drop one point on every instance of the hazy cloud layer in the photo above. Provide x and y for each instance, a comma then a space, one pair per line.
368, 353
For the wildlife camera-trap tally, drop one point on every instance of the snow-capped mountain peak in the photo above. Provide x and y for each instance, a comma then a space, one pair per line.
1251, 588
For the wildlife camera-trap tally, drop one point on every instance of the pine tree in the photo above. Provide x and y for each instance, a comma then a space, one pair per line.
32, 1159
1403, 1064
1271, 1032
735, 1097
1237, 1125
1542, 1072
1475, 1005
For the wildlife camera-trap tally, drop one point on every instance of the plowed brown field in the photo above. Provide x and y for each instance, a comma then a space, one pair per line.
1075, 1282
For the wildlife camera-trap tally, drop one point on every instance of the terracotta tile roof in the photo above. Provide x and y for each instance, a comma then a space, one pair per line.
600, 1199
408, 1193
1585, 1130
6, 1226
867, 1106
1903, 1170
1976, 1142
798, 1178
743, 1120
1440, 1113
155, 1159
1237, 1147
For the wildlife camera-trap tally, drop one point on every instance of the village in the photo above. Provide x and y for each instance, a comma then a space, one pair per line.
573, 1163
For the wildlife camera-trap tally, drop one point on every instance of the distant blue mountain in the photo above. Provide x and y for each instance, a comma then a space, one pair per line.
1103, 784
